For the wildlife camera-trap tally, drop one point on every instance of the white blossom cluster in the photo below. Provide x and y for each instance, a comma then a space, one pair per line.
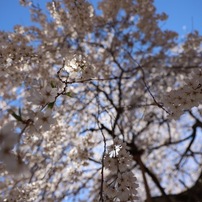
78, 67
81, 13
19, 195
186, 97
43, 96
122, 183
79, 152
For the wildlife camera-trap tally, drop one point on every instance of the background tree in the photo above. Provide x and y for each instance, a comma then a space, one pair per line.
91, 99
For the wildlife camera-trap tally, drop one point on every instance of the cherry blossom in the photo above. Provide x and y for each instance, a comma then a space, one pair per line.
91, 103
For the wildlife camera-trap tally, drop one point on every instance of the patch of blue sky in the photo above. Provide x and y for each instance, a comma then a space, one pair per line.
184, 16
12, 13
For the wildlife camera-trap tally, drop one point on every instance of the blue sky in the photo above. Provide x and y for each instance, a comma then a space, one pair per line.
184, 15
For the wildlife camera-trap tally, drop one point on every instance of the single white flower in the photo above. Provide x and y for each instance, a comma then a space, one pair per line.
49, 94
37, 98
44, 120
123, 193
